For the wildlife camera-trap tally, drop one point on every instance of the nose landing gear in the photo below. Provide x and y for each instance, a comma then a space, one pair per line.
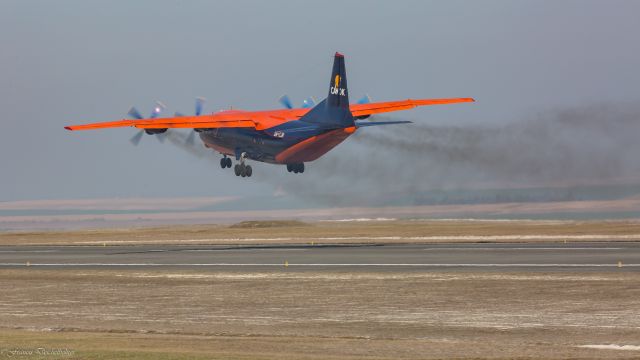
225, 162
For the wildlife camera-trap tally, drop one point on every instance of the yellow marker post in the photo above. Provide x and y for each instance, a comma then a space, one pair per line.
286, 263
104, 244
28, 263
619, 264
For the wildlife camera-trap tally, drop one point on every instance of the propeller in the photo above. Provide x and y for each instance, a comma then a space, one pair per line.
135, 140
134, 113
364, 100
162, 136
157, 109
309, 102
199, 106
285, 101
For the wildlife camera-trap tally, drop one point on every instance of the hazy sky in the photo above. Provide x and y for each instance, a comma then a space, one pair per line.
68, 62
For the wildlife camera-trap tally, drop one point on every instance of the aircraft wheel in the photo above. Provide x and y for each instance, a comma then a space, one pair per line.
301, 168
248, 170
289, 168
228, 162
237, 170
223, 163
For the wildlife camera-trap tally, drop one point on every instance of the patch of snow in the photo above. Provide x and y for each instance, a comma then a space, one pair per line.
611, 347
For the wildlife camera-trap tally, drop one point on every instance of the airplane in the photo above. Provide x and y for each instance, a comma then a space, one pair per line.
290, 136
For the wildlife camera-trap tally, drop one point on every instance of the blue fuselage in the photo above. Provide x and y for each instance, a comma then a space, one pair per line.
261, 145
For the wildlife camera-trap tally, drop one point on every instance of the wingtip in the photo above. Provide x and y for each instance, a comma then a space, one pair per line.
339, 54
68, 128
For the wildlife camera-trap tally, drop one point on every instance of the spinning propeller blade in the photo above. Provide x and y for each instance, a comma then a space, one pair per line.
309, 102
134, 113
157, 109
199, 105
364, 100
286, 102
135, 140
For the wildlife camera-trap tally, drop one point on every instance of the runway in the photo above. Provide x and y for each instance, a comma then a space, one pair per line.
575, 256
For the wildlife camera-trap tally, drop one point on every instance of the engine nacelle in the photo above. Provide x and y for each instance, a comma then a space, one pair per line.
155, 131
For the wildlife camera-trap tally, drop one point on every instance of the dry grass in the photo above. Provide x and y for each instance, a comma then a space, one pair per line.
304, 315
286, 314
334, 232
268, 224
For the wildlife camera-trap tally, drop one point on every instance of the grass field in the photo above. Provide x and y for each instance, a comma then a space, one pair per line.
289, 314
294, 315
270, 232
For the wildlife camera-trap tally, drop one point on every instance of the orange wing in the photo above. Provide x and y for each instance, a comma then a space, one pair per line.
389, 106
227, 119
259, 120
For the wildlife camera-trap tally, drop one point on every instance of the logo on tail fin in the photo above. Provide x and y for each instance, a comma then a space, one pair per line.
336, 89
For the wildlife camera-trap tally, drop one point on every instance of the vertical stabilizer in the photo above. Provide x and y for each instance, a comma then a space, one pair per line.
333, 112
338, 93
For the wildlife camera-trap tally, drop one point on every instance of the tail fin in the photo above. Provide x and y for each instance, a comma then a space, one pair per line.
333, 112
338, 94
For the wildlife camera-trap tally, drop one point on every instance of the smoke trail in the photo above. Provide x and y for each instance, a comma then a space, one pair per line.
584, 146
590, 145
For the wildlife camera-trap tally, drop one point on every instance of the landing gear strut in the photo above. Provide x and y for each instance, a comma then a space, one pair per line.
225, 162
242, 169
295, 168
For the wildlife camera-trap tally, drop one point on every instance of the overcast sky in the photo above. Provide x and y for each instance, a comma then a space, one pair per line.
69, 62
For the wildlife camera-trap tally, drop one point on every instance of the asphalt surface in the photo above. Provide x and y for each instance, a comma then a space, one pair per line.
573, 256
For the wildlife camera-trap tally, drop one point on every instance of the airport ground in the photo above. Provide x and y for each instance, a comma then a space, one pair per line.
339, 232
362, 290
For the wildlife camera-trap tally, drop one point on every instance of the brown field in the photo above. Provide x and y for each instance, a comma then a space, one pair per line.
289, 314
127, 213
304, 315
399, 231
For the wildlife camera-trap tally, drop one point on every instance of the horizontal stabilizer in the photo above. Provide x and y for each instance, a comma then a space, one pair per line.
360, 124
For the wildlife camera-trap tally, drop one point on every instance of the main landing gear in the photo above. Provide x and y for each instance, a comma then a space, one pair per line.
242, 169
295, 168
